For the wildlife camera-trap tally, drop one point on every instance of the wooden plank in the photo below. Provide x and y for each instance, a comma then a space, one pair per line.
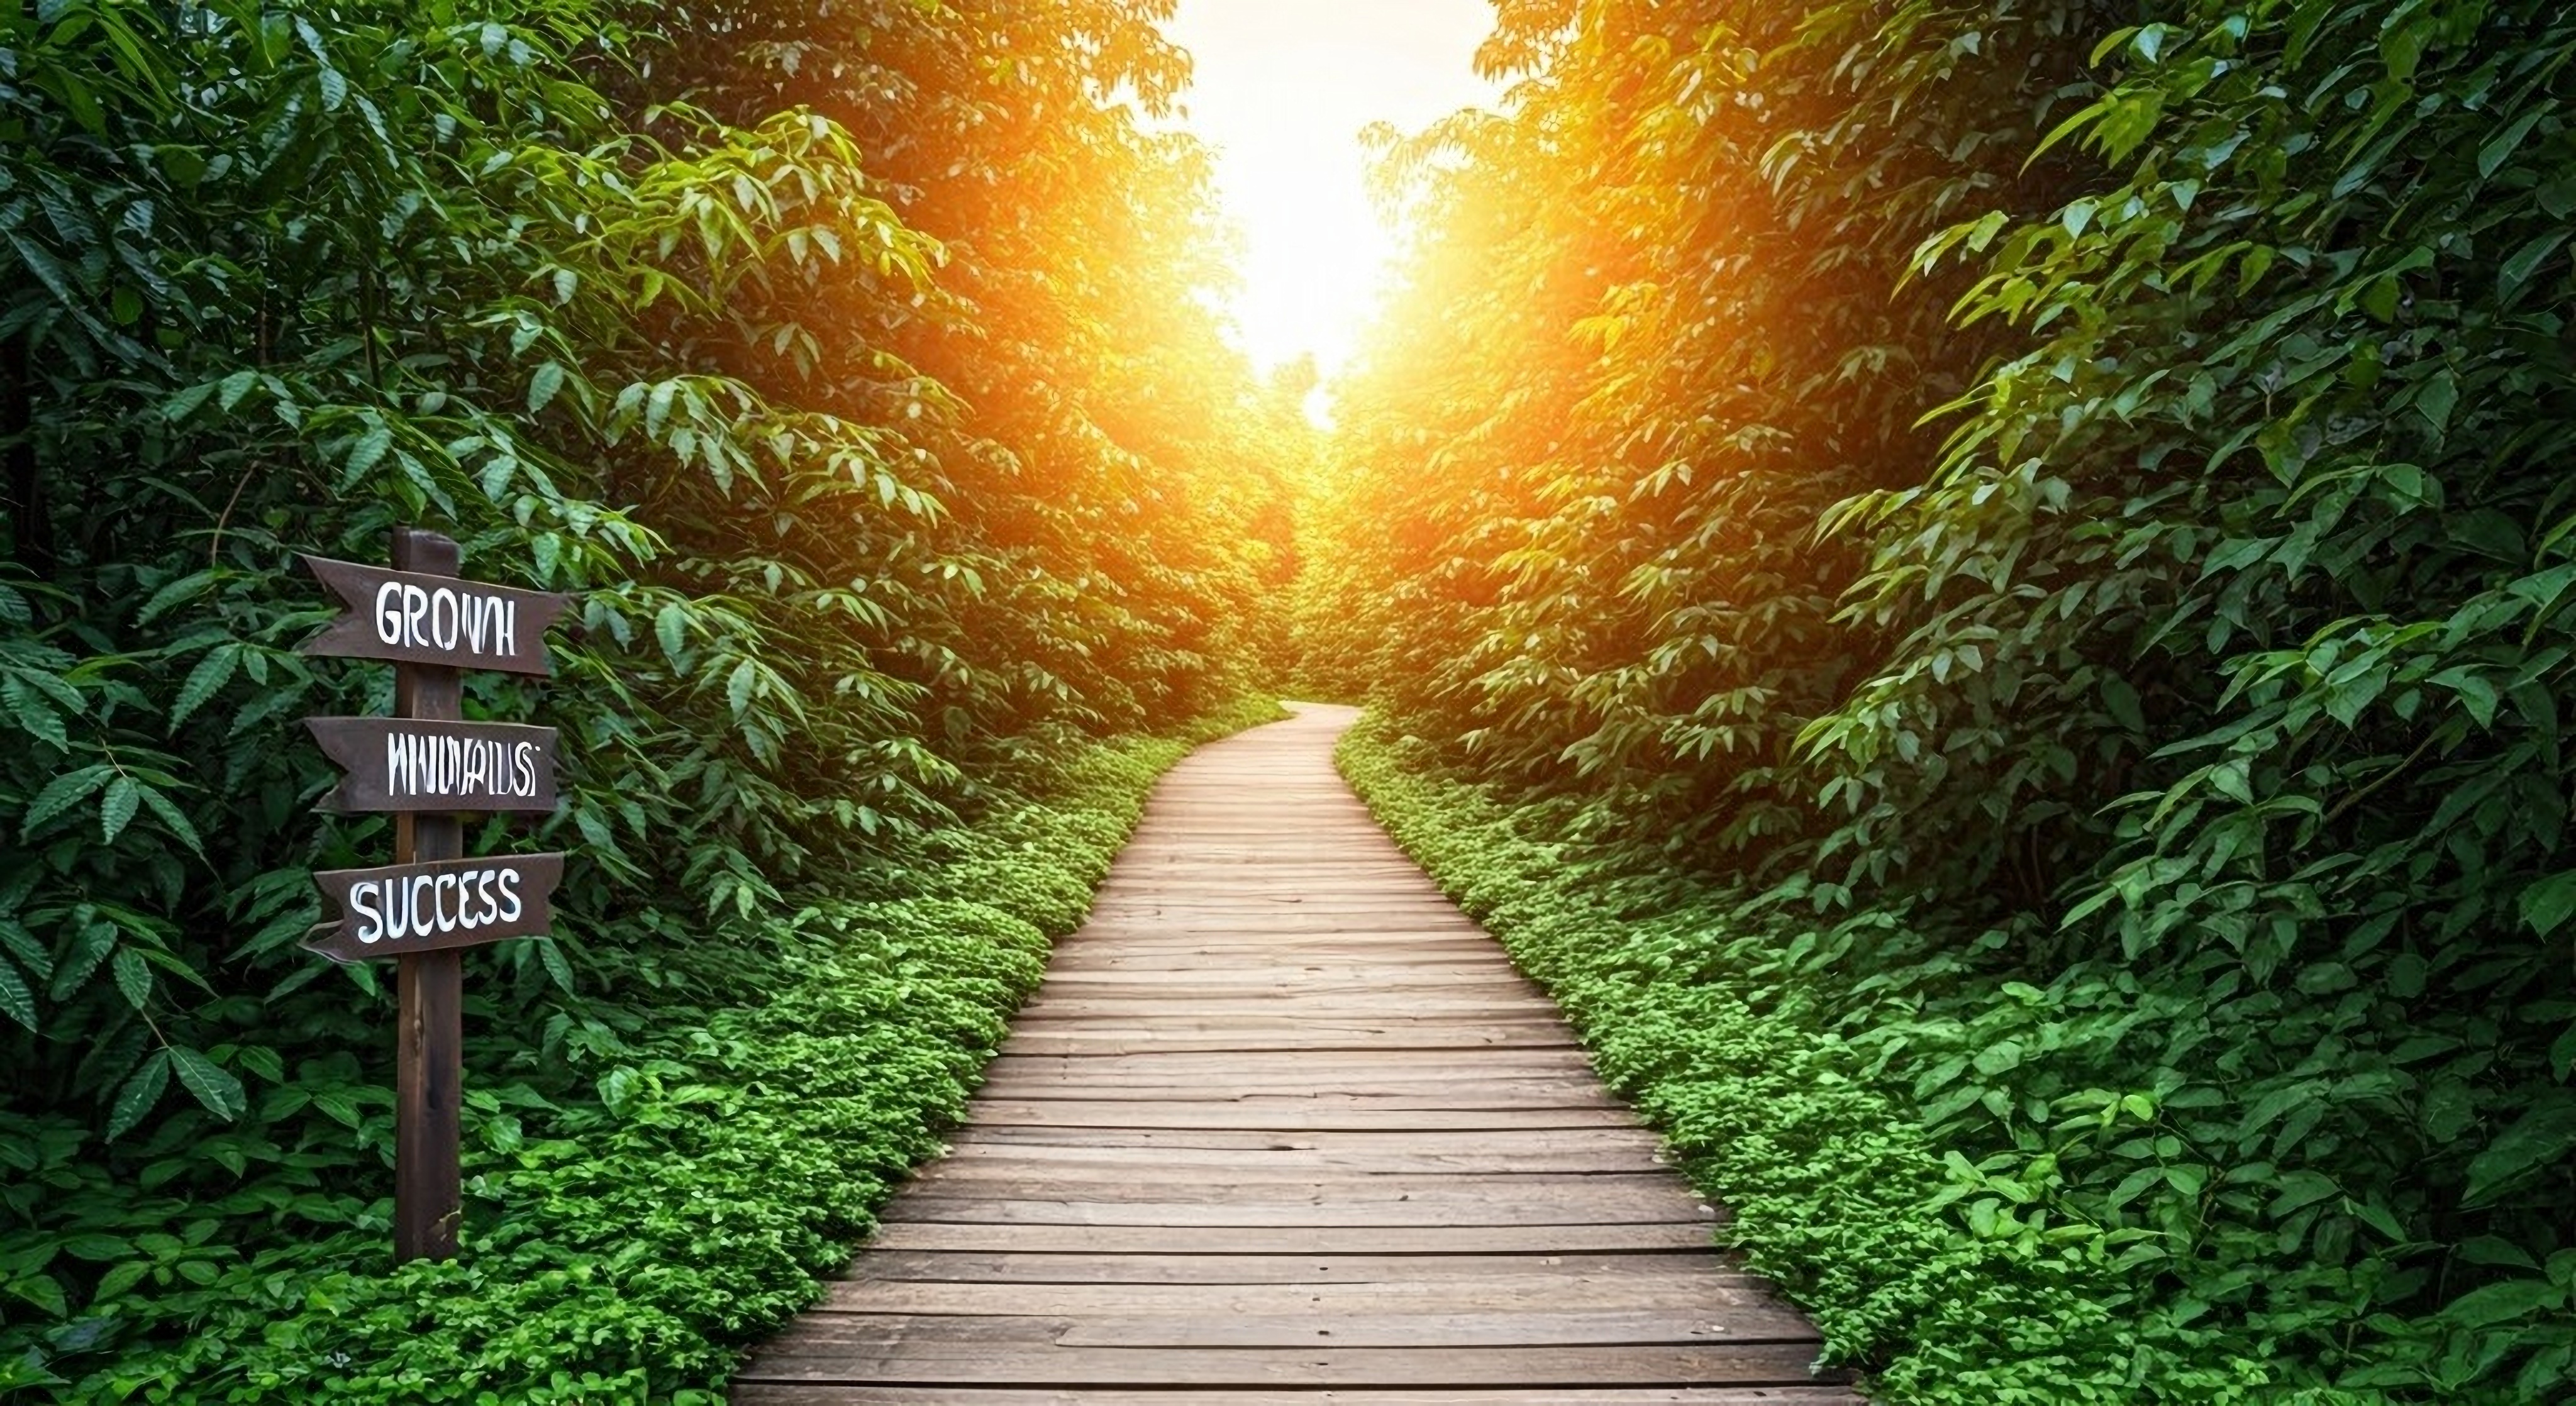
1181, 1066
1321, 1113
1199, 983
982, 1206
1292, 1240
1079, 1038
1323, 1303
1018, 1267
427, 765
970, 1154
1497, 1144
1383, 1093
1279, 1168
422, 613
1519, 1325
825, 1394
399, 910
1631, 1193
923, 1362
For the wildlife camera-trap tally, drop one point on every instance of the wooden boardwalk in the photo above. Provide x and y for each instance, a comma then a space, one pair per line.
1284, 1126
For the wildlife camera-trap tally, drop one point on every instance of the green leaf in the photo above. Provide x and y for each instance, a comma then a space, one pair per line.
33, 715
43, 1292
739, 685
175, 820
2547, 904
204, 681
2524, 262
124, 798
121, 1278
141, 1093
64, 792
543, 386
558, 968
2435, 399
2122, 700
178, 593
133, 977
15, 997
657, 406
2503, 1303
671, 627
219, 1091
2500, 148
23, 945
369, 451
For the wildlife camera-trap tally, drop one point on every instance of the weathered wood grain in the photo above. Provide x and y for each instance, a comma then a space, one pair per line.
946, 1360
1284, 1126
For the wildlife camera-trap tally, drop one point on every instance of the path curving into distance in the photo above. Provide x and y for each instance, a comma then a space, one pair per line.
1285, 1126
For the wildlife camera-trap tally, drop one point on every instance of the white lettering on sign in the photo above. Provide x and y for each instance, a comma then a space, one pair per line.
462, 768
446, 617
425, 905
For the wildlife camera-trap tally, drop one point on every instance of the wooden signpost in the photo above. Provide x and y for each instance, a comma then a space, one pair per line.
425, 766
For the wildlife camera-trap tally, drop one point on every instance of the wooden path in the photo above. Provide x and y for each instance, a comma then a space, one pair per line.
1284, 1126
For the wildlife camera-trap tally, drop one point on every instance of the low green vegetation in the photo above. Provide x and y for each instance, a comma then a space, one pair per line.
2020, 558
1771, 1076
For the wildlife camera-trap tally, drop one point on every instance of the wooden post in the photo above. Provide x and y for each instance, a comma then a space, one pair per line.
429, 1055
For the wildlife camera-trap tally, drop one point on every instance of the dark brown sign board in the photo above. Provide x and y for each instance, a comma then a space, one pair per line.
414, 618
417, 765
402, 909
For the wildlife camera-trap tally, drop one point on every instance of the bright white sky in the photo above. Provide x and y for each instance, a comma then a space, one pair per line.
1282, 89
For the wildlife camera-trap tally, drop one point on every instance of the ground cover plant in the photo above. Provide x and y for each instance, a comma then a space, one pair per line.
2039, 569
894, 541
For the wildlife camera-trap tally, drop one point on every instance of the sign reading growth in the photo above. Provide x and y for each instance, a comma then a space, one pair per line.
412, 618
414, 765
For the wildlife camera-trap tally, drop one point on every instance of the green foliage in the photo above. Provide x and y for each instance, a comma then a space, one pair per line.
2154, 783
887, 520
1952, 1280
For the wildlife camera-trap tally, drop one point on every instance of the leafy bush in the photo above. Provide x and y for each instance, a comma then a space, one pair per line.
2155, 781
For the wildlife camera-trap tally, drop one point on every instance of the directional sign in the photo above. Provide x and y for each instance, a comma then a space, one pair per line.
421, 619
402, 909
411, 764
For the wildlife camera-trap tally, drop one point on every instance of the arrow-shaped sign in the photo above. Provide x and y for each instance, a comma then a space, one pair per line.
410, 764
405, 908
418, 619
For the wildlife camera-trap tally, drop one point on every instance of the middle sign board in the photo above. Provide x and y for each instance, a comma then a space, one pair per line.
416, 765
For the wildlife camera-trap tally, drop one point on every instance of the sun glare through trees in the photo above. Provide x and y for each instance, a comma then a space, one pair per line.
1982, 592
1282, 92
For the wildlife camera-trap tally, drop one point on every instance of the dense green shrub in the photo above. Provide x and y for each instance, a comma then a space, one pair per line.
1728, 1045
2156, 780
